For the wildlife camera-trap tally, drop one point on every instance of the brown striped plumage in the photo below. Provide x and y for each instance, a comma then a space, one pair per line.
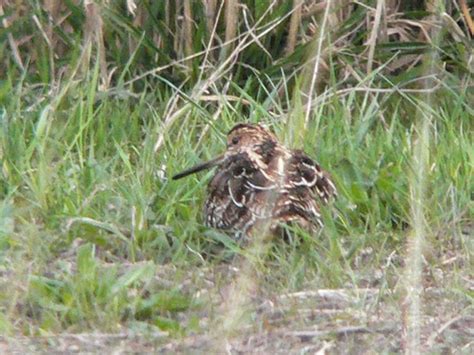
259, 183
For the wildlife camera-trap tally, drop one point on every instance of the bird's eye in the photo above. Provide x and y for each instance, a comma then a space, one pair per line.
239, 171
235, 140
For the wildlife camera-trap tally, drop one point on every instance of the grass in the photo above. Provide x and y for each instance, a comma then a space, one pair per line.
98, 243
90, 218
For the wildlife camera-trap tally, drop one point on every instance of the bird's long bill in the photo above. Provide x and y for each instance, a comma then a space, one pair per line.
199, 167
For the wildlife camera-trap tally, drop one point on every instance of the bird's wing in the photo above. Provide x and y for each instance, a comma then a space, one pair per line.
231, 192
222, 209
302, 171
236, 194
306, 186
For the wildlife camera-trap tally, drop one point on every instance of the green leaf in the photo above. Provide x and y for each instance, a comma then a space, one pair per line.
141, 273
167, 324
171, 301
86, 264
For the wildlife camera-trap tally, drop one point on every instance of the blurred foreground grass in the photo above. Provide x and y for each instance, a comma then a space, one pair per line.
95, 238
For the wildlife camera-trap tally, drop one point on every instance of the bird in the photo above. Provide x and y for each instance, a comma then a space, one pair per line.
260, 185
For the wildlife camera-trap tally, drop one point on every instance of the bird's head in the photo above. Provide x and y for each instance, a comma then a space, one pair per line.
242, 136
246, 135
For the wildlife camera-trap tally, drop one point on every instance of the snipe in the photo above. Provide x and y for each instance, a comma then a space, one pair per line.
259, 183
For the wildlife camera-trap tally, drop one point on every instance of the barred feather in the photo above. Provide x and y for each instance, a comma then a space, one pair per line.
260, 181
